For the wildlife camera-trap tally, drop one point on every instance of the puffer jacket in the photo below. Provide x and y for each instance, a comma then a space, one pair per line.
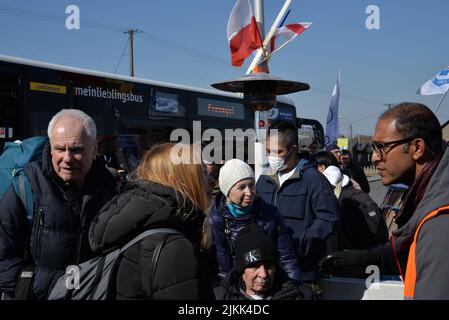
58, 236
264, 215
310, 211
181, 272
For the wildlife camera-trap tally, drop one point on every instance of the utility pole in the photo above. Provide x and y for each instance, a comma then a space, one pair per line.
131, 33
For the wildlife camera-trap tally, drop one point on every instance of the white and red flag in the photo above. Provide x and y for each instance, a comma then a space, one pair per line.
289, 31
243, 33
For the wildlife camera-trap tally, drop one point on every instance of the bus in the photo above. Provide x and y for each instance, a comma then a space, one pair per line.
131, 114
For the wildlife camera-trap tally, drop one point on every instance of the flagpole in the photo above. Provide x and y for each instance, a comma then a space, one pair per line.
438, 106
283, 45
269, 35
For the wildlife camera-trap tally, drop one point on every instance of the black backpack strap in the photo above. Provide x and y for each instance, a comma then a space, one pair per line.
112, 284
148, 272
146, 234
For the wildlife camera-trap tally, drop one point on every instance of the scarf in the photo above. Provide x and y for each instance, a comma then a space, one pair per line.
416, 192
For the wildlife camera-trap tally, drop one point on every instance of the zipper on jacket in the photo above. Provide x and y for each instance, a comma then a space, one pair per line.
72, 204
276, 196
39, 232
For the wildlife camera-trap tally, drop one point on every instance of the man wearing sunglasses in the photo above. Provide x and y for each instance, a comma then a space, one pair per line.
408, 148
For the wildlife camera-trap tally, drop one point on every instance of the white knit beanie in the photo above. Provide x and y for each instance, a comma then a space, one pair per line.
232, 172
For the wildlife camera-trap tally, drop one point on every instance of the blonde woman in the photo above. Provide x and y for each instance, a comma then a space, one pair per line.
166, 194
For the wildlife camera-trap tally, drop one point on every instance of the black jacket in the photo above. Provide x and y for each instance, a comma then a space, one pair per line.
58, 236
181, 272
355, 171
362, 224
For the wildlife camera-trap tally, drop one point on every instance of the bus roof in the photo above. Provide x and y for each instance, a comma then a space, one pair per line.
59, 67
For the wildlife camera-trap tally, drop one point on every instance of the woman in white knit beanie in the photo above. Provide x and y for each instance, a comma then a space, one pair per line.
238, 207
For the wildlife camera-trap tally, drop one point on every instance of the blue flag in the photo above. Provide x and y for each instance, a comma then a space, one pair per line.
332, 117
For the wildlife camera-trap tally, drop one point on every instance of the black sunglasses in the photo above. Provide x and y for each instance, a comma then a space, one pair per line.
379, 148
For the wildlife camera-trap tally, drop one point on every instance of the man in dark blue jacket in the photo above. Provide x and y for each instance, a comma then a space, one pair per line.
302, 195
69, 188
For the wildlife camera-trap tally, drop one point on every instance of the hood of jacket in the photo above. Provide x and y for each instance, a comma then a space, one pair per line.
144, 205
334, 176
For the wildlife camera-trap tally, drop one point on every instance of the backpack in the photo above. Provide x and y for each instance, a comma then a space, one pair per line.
12, 162
97, 276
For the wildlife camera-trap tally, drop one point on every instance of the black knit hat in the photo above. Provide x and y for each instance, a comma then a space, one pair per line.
331, 147
253, 245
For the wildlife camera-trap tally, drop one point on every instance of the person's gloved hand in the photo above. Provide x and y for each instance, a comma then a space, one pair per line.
349, 258
289, 291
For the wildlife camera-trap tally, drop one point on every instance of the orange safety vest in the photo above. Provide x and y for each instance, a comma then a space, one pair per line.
410, 272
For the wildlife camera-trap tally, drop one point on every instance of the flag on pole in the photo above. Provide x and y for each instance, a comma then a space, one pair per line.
332, 116
243, 33
289, 31
437, 85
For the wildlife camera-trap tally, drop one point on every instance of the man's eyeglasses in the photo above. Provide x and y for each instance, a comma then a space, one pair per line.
382, 149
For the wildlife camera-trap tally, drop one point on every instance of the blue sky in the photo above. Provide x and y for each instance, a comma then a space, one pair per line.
185, 42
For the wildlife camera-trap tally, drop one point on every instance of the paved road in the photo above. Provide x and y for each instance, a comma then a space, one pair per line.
377, 189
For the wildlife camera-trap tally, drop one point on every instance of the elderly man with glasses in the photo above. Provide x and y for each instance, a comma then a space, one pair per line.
408, 148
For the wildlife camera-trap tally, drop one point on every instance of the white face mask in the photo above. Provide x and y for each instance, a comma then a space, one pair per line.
277, 163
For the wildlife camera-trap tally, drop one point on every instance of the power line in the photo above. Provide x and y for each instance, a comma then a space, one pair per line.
349, 96
186, 50
150, 38
55, 18
121, 57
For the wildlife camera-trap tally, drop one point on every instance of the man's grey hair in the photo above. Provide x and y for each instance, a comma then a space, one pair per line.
88, 122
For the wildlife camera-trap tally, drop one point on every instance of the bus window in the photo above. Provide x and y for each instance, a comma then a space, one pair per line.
167, 104
9, 106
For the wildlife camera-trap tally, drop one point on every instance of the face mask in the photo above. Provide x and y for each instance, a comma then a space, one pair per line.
238, 211
278, 163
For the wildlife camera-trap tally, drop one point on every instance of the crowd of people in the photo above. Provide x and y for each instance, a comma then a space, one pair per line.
236, 238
